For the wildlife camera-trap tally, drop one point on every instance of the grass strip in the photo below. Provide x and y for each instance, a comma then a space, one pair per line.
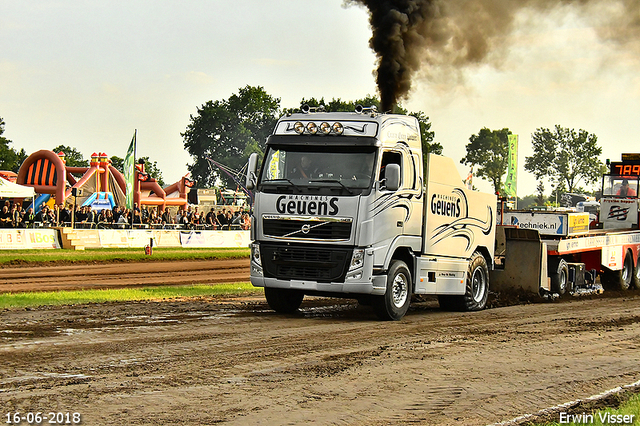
35, 299
13, 257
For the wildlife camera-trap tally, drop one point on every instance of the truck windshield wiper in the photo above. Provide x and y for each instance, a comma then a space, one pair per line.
332, 181
280, 180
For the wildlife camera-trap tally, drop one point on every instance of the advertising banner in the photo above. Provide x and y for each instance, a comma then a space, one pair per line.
618, 213
12, 239
511, 184
215, 239
549, 223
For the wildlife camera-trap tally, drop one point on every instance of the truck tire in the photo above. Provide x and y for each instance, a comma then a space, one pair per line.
393, 305
559, 274
619, 280
283, 300
476, 290
636, 273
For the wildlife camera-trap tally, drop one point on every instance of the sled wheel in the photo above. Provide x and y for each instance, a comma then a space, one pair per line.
559, 275
619, 280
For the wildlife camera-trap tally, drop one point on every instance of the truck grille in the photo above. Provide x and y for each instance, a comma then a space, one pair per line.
307, 229
321, 264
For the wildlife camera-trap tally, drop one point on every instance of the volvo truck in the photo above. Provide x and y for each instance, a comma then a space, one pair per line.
348, 205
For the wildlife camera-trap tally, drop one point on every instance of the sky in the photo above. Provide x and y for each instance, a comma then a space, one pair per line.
87, 73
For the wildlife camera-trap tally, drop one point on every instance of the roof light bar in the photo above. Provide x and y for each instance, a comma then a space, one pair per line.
323, 128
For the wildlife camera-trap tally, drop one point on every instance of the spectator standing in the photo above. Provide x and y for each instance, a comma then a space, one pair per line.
222, 218
211, 219
92, 217
29, 218
196, 218
16, 217
166, 217
229, 219
43, 216
116, 214
102, 216
144, 215
123, 219
246, 221
5, 217
65, 215
81, 215
184, 221
108, 217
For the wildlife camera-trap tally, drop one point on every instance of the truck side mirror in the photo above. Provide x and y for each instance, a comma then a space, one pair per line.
252, 171
392, 177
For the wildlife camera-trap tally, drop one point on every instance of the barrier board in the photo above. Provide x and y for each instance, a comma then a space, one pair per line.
15, 239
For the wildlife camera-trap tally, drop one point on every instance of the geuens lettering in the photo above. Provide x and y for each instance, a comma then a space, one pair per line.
304, 207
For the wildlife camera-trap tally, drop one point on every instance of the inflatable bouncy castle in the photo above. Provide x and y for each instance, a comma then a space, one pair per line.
47, 173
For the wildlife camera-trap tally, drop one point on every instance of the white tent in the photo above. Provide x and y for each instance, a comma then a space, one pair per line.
13, 190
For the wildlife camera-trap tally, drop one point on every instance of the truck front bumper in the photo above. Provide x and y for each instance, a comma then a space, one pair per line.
376, 286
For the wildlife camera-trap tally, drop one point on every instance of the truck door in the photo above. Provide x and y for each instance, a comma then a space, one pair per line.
390, 210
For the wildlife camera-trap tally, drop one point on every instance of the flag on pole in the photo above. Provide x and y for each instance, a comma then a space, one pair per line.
511, 185
129, 171
469, 179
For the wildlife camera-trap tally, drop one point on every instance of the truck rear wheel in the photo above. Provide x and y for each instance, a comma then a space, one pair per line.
283, 300
619, 280
394, 304
559, 274
476, 290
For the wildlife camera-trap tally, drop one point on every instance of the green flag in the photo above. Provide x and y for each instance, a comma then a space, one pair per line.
129, 172
511, 185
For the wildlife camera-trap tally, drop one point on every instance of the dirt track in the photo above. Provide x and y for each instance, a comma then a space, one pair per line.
234, 362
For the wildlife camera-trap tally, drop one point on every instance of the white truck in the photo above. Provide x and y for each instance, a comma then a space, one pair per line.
343, 208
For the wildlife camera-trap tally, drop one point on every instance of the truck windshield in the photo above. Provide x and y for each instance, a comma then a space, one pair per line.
350, 168
620, 186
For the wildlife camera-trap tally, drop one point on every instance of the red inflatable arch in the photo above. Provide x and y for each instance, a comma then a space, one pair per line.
47, 173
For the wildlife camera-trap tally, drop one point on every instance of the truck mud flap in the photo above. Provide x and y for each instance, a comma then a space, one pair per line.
523, 267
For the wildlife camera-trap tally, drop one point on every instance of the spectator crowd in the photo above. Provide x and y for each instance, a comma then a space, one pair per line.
14, 216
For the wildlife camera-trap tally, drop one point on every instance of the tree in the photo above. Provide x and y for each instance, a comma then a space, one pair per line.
149, 167
427, 136
228, 131
489, 150
540, 196
565, 157
9, 159
72, 157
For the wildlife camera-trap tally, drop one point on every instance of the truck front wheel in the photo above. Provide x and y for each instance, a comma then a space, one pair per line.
393, 305
283, 300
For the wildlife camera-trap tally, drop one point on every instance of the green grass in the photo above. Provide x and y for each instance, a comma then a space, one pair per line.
22, 300
12, 257
631, 407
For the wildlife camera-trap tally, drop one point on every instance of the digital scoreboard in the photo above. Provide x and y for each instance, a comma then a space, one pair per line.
625, 169
629, 166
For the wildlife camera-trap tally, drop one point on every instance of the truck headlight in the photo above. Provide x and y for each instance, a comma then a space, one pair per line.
255, 254
357, 259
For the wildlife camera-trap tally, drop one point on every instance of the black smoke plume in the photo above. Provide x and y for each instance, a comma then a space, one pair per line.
409, 35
